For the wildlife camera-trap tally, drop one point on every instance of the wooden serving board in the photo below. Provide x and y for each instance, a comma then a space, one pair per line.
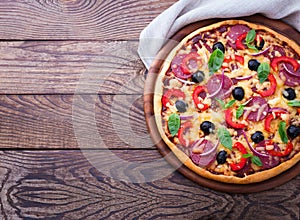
276, 25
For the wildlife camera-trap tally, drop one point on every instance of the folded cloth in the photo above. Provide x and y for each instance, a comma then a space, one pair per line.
185, 12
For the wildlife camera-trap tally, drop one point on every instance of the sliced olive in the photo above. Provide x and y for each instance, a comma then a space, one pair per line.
221, 157
253, 64
198, 77
259, 45
207, 127
257, 137
181, 105
289, 93
293, 131
238, 93
219, 45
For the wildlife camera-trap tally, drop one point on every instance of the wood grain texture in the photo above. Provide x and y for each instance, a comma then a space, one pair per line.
77, 19
67, 67
49, 121
63, 185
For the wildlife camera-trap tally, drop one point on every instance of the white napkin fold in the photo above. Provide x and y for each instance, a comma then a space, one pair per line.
185, 12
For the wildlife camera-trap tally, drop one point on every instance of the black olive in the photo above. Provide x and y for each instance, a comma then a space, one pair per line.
181, 105
198, 77
293, 131
259, 45
238, 93
253, 64
289, 94
221, 157
219, 45
207, 127
257, 137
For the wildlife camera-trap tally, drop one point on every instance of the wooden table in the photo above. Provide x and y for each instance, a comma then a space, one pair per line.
68, 69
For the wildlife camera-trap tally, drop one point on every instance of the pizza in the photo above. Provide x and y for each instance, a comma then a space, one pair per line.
227, 102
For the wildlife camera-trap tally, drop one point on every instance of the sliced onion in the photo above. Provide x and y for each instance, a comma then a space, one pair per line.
290, 71
185, 81
261, 52
188, 117
211, 150
260, 111
278, 109
219, 89
243, 77
197, 143
251, 148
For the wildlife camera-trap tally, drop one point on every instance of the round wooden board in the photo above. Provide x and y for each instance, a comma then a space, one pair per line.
276, 25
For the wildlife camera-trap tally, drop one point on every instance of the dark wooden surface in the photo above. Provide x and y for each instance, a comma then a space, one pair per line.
65, 62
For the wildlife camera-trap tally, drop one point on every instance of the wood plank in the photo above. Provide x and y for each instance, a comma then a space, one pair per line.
51, 67
63, 121
64, 185
98, 20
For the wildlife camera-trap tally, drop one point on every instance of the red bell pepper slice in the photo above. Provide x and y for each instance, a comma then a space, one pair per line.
272, 89
198, 103
238, 166
275, 61
239, 59
287, 151
185, 62
239, 41
270, 117
172, 93
183, 128
228, 119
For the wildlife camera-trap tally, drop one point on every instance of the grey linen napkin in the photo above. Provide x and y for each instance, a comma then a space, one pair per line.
185, 12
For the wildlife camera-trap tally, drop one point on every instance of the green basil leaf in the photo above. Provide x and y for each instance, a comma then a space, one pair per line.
221, 102
263, 72
215, 60
250, 36
256, 161
252, 47
239, 111
225, 138
174, 124
247, 155
282, 132
294, 103
230, 103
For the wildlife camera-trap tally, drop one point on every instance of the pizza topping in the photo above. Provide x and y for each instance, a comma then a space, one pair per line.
181, 105
237, 30
207, 127
289, 76
176, 67
294, 103
284, 59
198, 77
225, 138
215, 61
289, 93
242, 162
277, 152
293, 131
221, 157
238, 93
256, 108
257, 137
204, 154
259, 42
263, 71
219, 86
191, 63
289, 70
282, 132
253, 64
230, 122
219, 45
172, 93
173, 124
264, 52
181, 132
272, 89
198, 100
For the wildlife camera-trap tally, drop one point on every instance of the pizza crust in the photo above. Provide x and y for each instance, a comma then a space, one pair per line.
158, 91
